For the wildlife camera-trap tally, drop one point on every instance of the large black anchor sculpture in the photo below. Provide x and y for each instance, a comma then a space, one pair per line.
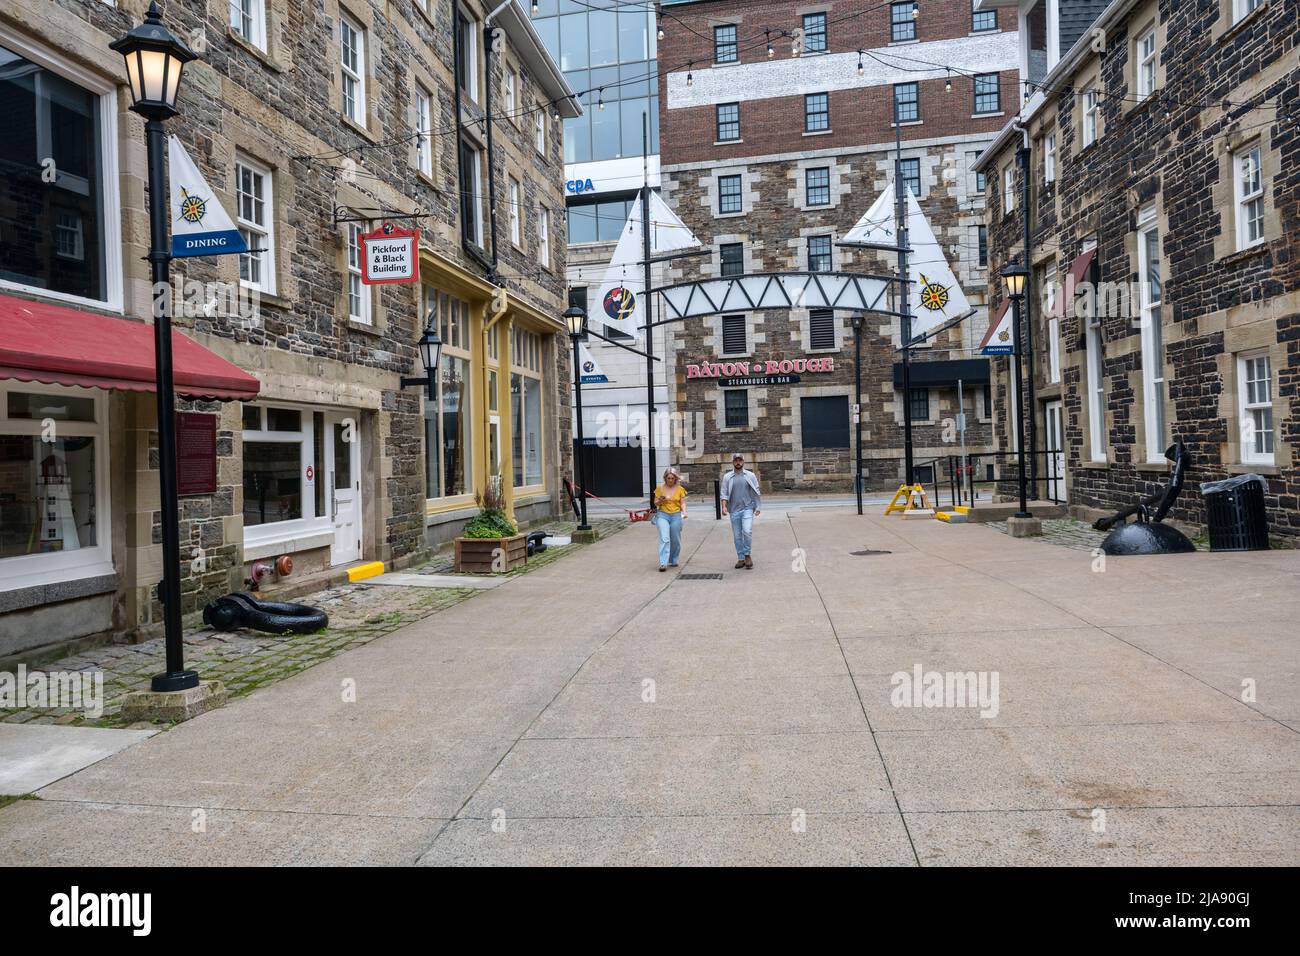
244, 610
1147, 535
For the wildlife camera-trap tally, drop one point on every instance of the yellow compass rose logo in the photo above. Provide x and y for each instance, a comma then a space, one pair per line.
192, 207
934, 297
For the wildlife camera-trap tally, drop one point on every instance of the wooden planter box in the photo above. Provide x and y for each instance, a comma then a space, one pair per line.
476, 555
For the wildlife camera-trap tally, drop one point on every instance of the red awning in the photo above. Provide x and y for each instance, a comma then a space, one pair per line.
996, 323
1077, 269
60, 345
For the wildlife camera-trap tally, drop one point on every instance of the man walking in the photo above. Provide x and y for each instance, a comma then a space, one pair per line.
741, 500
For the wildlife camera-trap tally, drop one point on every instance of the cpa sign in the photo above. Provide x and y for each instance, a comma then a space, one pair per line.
579, 186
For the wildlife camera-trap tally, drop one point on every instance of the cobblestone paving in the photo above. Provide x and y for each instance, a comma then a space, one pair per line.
1079, 535
245, 660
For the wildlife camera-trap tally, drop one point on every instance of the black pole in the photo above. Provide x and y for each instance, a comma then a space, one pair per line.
581, 450
905, 295
857, 385
176, 677
649, 317
1020, 411
492, 166
1023, 155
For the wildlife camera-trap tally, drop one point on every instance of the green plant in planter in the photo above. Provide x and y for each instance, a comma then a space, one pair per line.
491, 521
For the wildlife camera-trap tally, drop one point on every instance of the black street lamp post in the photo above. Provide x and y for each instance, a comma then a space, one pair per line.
1014, 275
155, 59
430, 347
575, 317
856, 320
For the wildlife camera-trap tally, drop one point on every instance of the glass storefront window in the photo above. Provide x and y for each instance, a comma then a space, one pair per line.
272, 482
526, 407
447, 432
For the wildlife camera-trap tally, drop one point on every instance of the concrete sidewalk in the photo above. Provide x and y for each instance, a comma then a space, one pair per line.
596, 711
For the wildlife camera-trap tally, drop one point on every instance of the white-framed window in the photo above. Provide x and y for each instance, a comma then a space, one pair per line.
248, 19
539, 130
516, 212
1243, 8
283, 472
1051, 310
1009, 189
255, 216
1049, 158
526, 406
512, 94
1248, 185
54, 474
358, 292
352, 41
62, 143
1146, 63
448, 421
1255, 399
1150, 295
423, 131
1096, 385
467, 62
1089, 117
544, 237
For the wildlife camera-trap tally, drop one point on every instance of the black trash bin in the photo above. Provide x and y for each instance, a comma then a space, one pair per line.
1235, 515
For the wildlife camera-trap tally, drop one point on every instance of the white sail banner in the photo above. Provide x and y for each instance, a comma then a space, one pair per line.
589, 369
200, 227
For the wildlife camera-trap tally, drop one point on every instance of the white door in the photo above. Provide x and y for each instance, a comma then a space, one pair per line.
343, 462
1055, 453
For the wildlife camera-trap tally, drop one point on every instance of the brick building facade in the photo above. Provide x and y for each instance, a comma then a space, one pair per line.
770, 157
1164, 176
312, 123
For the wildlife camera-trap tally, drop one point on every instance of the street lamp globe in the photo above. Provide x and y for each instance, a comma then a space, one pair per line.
856, 321
430, 353
575, 317
155, 59
1014, 275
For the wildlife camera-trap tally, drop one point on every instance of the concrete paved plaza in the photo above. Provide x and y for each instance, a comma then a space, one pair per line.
1147, 711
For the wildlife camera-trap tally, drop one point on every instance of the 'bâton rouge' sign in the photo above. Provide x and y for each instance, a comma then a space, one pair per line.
763, 367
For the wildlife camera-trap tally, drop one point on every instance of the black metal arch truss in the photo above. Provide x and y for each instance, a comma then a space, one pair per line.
851, 291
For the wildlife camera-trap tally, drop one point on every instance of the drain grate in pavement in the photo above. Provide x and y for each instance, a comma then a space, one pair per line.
699, 577
870, 552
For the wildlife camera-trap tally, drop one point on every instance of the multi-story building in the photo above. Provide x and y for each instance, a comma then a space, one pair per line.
607, 52
778, 133
1163, 182
312, 124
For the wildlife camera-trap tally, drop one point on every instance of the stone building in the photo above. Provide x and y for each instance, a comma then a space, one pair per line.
312, 124
1163, 183
777, 135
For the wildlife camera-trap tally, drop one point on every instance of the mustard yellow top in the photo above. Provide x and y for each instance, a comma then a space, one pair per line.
673, 504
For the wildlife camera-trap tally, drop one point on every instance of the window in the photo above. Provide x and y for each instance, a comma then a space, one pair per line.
982, 244
254, 212
516, 230
1093, 343
735, 339
824, 421
731, 259
987, 93
353, 49
539, 130
54, 505
1153, 352
1090, 131
59, 155
819, 254
817, 186
729, 194
281, 445
902, 22
971, 159
724, 44
526, 406
597, 221
1243, 8
816, 112
814, 32
423, 132
982, 20
1249, 187
736, 407
467, 50
471, 194
909, 170
906, 103
447, 421
512, 94
728, 122
1008, 189
920, 404
248, 19
821, 329
1255, 396
1146, 64
1049, 158
358, 291
544, 237
1052, 311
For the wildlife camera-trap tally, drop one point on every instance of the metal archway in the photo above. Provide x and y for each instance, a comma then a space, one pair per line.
776, 290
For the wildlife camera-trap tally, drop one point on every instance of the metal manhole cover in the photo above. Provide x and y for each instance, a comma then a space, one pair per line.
699, 577
868, 551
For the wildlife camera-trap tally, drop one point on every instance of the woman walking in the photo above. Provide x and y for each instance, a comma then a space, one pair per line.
670, 501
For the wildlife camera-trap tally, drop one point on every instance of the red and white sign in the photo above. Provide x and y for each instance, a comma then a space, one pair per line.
798, 366
390, 254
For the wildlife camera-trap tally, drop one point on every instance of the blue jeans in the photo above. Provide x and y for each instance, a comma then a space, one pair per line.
742, 530
670, 537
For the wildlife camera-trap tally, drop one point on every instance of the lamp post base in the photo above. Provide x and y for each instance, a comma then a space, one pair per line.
174, 705
1024, 526
173, 681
